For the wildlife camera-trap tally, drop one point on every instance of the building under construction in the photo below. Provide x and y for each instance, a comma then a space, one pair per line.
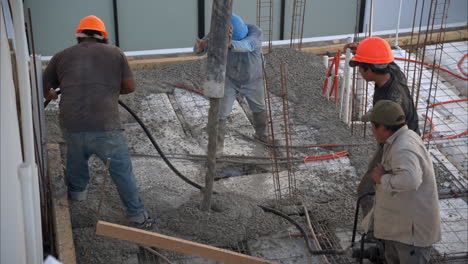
291, 200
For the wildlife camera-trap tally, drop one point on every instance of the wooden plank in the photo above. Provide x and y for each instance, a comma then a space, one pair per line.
160, 62
62, 222
174, 244
456, 35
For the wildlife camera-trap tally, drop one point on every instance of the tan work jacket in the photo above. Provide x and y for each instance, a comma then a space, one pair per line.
406, 205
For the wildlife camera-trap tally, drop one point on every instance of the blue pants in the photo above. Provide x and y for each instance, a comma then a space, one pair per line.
104, 144
253, 92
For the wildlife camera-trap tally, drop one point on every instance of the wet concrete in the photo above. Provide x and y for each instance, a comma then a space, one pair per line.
177, 119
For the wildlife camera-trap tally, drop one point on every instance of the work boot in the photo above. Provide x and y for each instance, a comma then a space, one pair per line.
220, 138
260, 124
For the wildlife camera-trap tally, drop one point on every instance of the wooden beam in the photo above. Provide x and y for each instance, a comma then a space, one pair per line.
455, 35
173, 244
159, 62
62, 221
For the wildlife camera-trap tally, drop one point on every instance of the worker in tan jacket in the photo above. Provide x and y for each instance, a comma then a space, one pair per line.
406, 208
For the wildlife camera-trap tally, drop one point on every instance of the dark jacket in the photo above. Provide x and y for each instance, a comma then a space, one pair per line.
396, 89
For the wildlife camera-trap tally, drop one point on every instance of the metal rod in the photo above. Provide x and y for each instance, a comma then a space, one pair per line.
201, 18
116, 22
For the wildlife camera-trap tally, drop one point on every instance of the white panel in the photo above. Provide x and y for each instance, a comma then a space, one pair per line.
12, 246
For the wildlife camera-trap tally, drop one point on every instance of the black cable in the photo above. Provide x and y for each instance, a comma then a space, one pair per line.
304, 234
174, 169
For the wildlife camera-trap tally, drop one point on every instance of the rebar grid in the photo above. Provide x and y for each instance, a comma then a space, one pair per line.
272, 151
297, 24
280, 134
151, 255
328, 240
287, 133
265, 20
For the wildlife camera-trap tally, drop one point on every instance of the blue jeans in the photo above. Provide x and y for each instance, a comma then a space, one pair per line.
253, 92
104, 144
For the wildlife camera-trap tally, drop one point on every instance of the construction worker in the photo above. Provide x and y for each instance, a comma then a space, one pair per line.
376, 63
406, 211
243, 76
91, 75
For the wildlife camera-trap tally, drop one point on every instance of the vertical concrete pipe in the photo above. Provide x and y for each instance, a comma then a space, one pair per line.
346, 90
214, 84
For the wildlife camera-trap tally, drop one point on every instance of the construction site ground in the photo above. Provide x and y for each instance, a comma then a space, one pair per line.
177, 119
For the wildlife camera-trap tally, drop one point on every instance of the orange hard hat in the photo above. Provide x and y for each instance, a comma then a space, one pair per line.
92, 23
372, 50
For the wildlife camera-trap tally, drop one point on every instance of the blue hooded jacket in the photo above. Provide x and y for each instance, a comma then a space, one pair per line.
239, 28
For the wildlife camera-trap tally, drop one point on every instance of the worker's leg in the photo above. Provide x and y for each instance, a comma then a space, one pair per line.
113, 145
390, 254
77, 166
225, 108
367, 184
255, 94
404, 253
231, 90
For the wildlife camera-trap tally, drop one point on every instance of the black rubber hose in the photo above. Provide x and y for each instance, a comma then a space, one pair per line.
174, 169
304, 234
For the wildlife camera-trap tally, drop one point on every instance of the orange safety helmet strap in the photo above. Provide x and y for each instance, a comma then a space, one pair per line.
92, 23
372, 50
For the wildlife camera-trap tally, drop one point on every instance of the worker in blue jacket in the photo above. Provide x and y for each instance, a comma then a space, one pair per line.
243, 76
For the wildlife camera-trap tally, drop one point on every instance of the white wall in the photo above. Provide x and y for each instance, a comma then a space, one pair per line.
12, 245
386, 13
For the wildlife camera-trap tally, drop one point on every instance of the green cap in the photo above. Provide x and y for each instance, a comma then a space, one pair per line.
385, 112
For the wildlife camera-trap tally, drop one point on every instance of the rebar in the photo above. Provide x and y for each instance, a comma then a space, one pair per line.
265, 21
297, 24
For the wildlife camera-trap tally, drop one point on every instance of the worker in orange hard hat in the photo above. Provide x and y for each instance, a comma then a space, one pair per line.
92, 26
375, 60
91, 75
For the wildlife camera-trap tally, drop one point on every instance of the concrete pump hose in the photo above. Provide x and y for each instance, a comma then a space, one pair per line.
304, 234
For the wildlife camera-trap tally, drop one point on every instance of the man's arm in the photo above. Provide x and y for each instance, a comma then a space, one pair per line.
406, 173
50, 80
127, 86
249, 43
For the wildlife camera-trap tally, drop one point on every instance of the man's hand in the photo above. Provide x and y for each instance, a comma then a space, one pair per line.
230, 37
377, 173
201, 44
52, 95
352, 46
